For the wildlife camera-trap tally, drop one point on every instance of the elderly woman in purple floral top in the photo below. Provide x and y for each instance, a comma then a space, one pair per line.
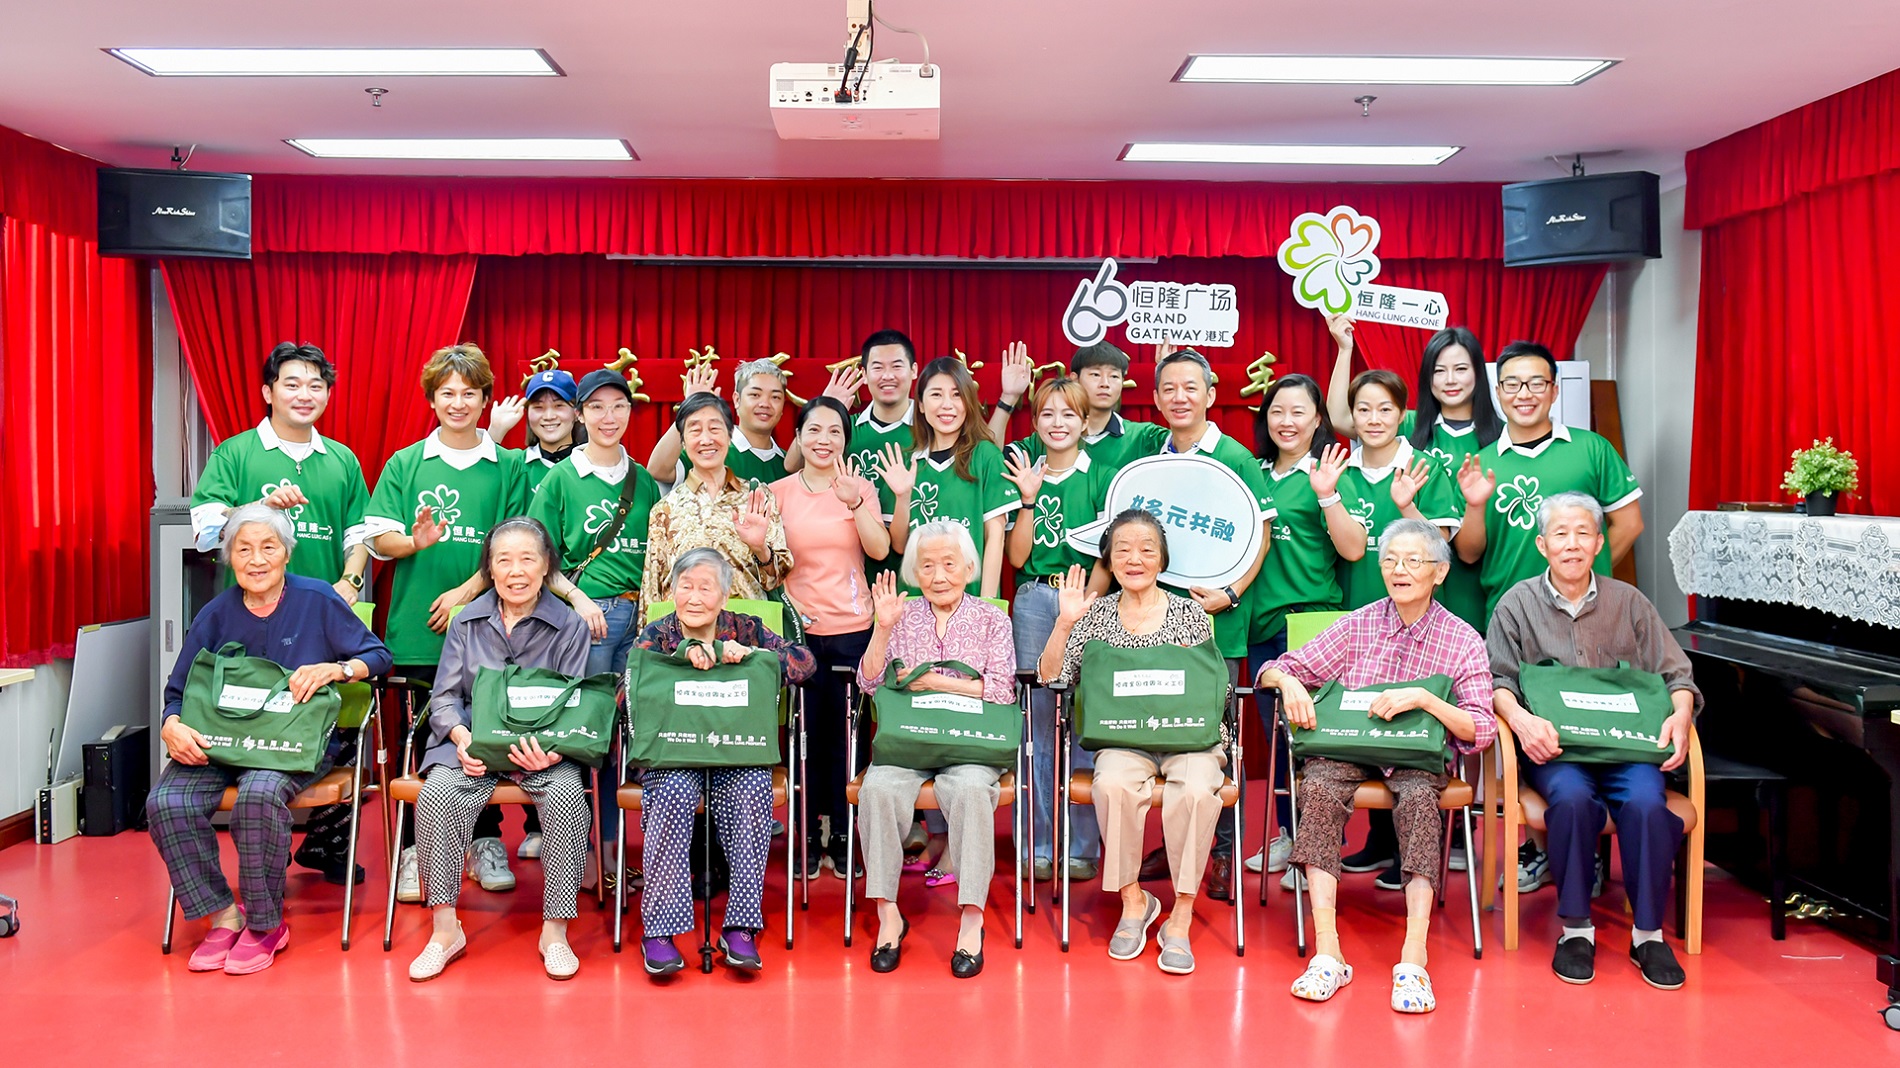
741, 801
947, 624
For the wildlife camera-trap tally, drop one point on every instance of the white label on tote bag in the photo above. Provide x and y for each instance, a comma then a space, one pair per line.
250, 698
1358, 700
734, 694
1144, 683
539, 696
1600, 702
949, 702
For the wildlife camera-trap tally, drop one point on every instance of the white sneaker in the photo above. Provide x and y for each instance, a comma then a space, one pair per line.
530, 847
1292, 879
488, 864
408, 879
1275, 855
1460, 860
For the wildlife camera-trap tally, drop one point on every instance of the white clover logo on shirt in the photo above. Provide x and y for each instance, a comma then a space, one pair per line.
1518, 500
442, 501
598, 516
1049, 522
1443, 459
291, 514
1362, 511
866, 459
923, 502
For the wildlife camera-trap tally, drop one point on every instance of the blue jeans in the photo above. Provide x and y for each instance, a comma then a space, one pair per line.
1647, 833
604, 656
1032, 619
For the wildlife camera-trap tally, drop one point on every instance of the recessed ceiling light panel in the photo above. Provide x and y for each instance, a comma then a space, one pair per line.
1391, 70
503, 148
1290, 155
326, 62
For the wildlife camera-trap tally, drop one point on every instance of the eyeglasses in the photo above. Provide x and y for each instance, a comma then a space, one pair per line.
1511, 387
609, 409
1412, 564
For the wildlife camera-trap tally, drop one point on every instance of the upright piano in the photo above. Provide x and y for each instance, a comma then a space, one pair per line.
1796, 644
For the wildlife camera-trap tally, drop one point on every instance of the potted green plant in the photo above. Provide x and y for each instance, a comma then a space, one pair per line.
1820, 474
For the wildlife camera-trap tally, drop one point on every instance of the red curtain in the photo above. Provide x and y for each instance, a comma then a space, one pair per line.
376, 317
587, 307
967, 219
76, 415
1800, 296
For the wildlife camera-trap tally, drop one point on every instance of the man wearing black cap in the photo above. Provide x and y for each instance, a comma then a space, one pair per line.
1110, 440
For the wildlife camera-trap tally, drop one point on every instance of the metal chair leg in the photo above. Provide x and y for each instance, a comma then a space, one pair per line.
1444, 859
1471, 880
620, 874
804, 812
1300, 885
850, 812
1062, 841
600, 840
1016, 841
356, 812
706, 939
395, 867
171, 917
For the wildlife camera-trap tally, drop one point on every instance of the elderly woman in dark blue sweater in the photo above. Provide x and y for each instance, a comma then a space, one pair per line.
303, 625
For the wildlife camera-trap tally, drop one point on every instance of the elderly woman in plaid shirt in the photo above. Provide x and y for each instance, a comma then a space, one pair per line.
1406, 635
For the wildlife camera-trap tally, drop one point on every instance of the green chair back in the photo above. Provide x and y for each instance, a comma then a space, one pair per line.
366, 611
1303, 627
999, 602
771, 613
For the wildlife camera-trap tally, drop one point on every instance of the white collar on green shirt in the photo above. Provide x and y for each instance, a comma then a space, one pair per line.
1111, 429
1209, 439
1558, 432
460, 459
866, 419
611, 475
267, 434
1305, 464
744, 444
1056, 479
1401, 458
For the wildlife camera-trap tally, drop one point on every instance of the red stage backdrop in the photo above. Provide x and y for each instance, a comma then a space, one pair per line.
75, 411
1800, 220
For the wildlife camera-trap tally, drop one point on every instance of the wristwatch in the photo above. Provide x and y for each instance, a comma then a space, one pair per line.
1233, 599
349, 669
355, 581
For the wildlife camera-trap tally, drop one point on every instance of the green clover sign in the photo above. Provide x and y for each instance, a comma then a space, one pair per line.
1330, 256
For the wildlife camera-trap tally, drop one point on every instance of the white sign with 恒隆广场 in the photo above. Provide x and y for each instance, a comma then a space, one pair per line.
1203, 315
1211, 518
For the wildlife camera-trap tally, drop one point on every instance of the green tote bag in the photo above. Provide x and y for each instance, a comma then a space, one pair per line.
931, 729
572, 717
682, 717
1162, 699
1602, 715
241, 705
1346, 732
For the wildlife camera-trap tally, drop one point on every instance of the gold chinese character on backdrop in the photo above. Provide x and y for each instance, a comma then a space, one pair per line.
1259, 375
625, 365
547, 361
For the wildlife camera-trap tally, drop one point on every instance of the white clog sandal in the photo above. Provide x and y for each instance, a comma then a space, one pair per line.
1322, 979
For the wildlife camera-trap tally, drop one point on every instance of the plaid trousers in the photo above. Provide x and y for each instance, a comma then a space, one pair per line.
179, 811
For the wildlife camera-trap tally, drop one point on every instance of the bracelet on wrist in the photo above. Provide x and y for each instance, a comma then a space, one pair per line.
1006, 406
1329, 501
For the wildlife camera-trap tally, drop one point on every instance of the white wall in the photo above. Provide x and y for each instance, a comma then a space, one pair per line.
1642, 333
29, 712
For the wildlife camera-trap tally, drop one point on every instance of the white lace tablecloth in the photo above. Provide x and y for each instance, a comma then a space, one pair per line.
1845, 565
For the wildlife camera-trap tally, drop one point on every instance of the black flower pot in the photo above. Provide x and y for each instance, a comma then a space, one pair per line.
1820, 503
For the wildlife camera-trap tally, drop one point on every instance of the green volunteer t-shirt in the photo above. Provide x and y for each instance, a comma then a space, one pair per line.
247, 467
576, 502
1462, 593
1121, 441
1066, 501
1570, 460
1232, 627
1299, 573
468, 501
941, 493
1369, 498
868, 438
537, 464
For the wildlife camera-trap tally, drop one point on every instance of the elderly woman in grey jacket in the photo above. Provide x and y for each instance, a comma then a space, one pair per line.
514, 622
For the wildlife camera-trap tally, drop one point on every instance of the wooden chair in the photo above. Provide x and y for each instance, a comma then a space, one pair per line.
1524, 806
787, 791
339, 786
1012, 786
1081, 791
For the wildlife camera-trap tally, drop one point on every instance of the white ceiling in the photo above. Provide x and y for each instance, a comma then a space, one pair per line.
1032, 89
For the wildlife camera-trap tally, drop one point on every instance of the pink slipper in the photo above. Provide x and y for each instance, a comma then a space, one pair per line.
211, 953
939, 877
254, 952
917, 863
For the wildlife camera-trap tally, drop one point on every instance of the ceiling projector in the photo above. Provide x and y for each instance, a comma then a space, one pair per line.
881, 101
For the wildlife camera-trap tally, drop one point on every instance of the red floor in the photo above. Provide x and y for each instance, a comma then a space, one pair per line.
84, 979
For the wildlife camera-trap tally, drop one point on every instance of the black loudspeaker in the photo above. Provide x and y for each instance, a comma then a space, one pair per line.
118, 776
1593, 219
174, 213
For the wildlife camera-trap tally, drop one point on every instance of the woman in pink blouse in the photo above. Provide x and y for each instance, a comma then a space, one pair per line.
946, 624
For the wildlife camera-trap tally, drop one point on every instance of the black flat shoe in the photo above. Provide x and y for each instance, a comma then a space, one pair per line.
1575, 960
1658, 964
966, 965
886, 958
